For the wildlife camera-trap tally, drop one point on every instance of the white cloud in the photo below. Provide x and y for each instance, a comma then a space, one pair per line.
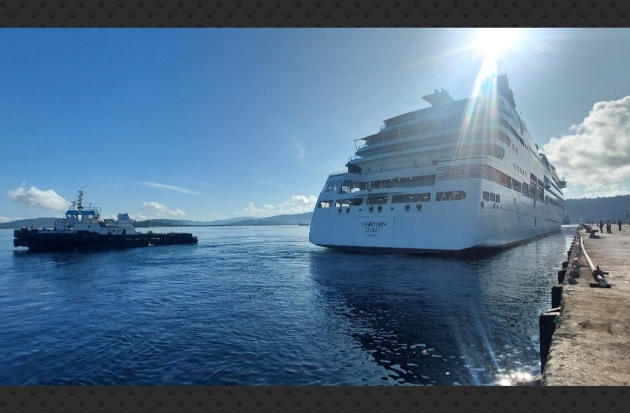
171, 187
162, 211
46, 199
4, 219
596, 156
297, 204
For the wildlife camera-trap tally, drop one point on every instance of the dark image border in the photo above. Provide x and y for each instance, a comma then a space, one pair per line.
320, 13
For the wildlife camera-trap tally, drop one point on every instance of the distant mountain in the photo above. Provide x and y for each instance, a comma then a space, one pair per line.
161, 223
187, 223
296, 219
220, 221
594, 209
33, 222
240, 221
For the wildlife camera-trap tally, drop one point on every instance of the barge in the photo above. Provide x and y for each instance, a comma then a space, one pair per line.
82, 229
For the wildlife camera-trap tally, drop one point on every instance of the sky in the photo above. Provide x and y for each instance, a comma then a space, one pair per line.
209, 124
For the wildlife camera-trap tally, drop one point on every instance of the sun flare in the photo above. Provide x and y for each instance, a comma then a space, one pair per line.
494, 43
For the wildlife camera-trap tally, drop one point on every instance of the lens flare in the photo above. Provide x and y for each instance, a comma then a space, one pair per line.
492, 44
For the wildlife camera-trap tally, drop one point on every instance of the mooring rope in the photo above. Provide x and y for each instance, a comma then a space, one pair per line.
590, 263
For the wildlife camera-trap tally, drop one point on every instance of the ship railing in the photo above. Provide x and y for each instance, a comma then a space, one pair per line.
405, 184
427, 127
56, 231
389, 185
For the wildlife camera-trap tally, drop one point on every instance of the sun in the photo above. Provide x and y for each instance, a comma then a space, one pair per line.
494, 43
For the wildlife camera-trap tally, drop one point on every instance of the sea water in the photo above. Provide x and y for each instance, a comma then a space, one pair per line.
263, 306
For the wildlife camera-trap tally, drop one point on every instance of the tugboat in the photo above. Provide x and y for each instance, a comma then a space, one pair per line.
82, 229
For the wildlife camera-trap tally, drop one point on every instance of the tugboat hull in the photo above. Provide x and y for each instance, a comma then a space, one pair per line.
40, 241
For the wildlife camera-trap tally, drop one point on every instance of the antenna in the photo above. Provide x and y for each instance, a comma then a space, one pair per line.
80, 200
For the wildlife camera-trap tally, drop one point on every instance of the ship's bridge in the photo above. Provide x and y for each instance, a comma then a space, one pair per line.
84, 214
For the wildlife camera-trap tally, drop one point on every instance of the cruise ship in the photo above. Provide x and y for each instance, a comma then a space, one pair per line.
457, 175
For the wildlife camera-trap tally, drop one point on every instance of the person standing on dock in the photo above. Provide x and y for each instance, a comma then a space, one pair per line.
601, 226
608, 227
619, 224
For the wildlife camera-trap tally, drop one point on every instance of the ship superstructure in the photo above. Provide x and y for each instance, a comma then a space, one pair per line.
452, 176
82, 218
82, 228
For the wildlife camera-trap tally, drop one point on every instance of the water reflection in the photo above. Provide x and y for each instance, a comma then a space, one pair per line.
436, 321
265, 307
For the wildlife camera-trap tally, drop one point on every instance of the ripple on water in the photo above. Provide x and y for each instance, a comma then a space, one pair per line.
262, 306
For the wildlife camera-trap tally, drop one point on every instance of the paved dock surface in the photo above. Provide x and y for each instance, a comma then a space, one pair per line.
591, 343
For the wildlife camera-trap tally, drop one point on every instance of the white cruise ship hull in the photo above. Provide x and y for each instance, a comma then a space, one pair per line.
439, 226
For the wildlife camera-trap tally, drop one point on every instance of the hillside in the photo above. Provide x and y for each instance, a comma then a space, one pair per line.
594, 209
242, 221
33, 222
296, 219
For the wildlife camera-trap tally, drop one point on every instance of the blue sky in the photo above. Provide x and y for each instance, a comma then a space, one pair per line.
207, 124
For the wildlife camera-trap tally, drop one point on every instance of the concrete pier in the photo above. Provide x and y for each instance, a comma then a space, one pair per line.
591, 342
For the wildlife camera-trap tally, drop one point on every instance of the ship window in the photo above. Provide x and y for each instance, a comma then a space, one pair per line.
332, 186
450, 196
504, 138
324, 204
485, 195
498, 200
493, 197
409, 198
516, 185
504, 123
349, 202
505, 180
376, 200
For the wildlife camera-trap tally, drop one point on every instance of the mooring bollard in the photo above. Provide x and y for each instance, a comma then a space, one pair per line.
561, 275
556, 295
565, 264
546, 327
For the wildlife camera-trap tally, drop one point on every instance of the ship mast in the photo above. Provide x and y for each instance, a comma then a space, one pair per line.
80, 207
